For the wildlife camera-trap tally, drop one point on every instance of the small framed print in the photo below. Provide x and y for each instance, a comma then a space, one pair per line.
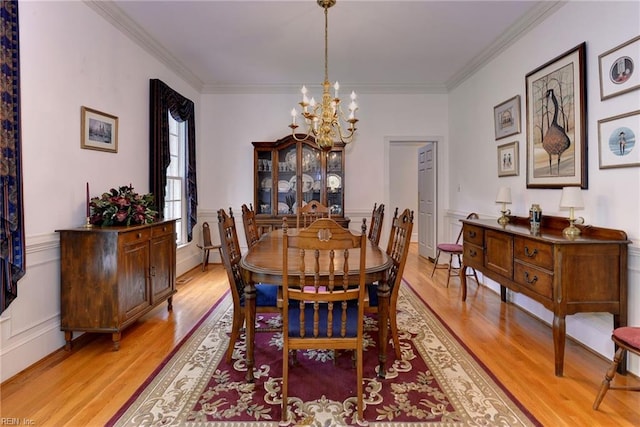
99, 131
506, 117
508, 159
617, 140
619, 72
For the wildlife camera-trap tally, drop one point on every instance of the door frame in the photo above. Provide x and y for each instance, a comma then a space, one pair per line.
416, 141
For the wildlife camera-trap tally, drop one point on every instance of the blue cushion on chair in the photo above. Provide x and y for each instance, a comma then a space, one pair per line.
294, 322
266, 295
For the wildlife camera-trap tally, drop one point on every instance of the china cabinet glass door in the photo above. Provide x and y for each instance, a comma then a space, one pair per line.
264, 182
335, 178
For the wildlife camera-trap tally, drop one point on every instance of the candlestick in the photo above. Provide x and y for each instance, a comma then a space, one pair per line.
88, 208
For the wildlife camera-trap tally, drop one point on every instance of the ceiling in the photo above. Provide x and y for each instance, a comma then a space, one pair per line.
268, 46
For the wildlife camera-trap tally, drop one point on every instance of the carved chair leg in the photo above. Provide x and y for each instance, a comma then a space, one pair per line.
611, 372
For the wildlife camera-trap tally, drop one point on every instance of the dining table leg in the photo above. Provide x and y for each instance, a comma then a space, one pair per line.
250, 326
384, 295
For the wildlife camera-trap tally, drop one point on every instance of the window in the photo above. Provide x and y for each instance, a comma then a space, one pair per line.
175, 206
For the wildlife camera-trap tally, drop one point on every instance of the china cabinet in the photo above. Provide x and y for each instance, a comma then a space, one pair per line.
110, 276
288, 174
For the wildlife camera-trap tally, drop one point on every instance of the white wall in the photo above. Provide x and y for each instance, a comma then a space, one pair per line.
71, 57
602, 25
231, 122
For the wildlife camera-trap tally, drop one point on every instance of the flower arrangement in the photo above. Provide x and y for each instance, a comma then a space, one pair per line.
122, 207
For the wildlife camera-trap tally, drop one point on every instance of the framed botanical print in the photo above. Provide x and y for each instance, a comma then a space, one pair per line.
556, 122
619, 72
617, 140
506, 117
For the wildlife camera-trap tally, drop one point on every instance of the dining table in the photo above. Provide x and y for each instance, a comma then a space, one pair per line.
263, 264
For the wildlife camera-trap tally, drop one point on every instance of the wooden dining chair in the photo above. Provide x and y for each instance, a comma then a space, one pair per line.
267, 296
453, 250
207, 245
310, 212
627, 339
251, 230
397, 250
323, 313
375, 229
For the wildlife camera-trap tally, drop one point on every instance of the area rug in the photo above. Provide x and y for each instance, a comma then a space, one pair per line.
436, 383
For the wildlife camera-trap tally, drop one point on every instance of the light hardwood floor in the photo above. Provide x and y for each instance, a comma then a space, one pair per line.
86, 386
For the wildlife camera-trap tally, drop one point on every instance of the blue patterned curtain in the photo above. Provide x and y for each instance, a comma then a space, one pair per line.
12, 265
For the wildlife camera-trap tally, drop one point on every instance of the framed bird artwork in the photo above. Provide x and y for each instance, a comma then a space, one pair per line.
556, 122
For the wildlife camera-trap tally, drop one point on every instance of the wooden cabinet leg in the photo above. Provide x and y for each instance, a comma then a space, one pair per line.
559, 336
68, 337
170, 303
115, 337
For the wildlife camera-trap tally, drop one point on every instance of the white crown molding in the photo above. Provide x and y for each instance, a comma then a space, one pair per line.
114, 15
406, 89
517, 30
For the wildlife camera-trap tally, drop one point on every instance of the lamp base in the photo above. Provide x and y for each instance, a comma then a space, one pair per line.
571, 231
504, 219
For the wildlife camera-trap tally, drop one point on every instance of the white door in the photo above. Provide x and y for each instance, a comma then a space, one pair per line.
427, 198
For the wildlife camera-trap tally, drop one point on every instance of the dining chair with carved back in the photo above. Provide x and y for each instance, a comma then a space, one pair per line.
251, 230
267, 296
397, 250
310, 212
375, 229
323, 295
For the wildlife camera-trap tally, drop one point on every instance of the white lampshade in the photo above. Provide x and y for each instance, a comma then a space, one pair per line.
571, 198
504, 195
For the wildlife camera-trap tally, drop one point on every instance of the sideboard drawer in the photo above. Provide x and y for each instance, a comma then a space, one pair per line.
473, 255
162, 229
141, 235
534, 252
473, 234
536, 279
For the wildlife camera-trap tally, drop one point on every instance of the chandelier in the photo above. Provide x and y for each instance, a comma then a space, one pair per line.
323, 120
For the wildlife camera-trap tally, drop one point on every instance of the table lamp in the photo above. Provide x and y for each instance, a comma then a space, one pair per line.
572, 198
504, 197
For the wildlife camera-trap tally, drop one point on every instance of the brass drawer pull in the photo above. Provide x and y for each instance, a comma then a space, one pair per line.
473, 253
472, 234
530, 254
530, 281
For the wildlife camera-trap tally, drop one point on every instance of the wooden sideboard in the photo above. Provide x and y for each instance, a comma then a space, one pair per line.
111, 276
567, 276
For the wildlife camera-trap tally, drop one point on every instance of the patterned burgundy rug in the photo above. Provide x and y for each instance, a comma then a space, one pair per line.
437, 382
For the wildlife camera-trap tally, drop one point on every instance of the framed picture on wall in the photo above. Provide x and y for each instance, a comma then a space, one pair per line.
617, 141
619, 72
556, 122
508, 160
506, 117
99, 131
